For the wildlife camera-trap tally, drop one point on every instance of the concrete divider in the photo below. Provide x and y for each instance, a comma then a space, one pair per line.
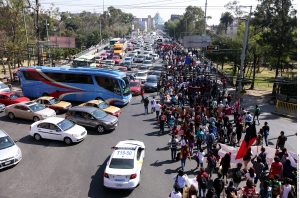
286, 108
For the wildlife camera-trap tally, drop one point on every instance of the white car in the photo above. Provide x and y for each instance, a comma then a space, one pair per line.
155, 56
4, 87
123, 169
142, 76
56, 128
10, 153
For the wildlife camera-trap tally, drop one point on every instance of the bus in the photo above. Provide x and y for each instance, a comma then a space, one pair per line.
113, 41
120, 48
75, 84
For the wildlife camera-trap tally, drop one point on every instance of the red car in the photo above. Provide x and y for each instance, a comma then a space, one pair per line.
135, 87
116, 59
9, 98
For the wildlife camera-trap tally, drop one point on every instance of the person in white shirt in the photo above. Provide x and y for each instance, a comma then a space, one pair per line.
175, 193
248, 119
153, 103
157, 109
200, 158
180, 181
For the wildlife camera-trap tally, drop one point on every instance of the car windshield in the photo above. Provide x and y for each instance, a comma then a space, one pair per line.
125, 86
103, 105
143, 68
6, 142
140, 74
53, 101
119, 163
133, 84
14, 96
36, 107
65, 124
152, 80
147, 62
98, 113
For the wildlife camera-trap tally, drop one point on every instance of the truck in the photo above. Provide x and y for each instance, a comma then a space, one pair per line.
120, 48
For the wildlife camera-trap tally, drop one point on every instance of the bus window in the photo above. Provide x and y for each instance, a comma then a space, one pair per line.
124, 83
108, 83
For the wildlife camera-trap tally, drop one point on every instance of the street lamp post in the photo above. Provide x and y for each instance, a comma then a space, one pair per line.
244, 52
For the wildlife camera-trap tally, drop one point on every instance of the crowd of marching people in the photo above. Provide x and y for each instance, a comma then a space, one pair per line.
193, 105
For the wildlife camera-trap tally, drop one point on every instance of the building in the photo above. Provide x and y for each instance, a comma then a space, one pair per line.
146, 24
175, 17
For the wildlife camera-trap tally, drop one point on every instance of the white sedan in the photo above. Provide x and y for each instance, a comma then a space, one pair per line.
56, 128
123, 170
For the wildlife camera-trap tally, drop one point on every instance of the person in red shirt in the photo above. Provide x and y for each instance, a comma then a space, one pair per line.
249, 190
276, 168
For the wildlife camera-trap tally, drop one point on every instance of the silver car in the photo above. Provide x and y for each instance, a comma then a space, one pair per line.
10, 153
29, 110
92, 117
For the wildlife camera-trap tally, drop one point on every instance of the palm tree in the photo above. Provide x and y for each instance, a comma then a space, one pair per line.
226, 19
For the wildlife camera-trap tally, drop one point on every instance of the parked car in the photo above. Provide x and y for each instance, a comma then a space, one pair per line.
92, 117
56, 128
2, 107
151, 83
124, 167
53, 103
142, 76
8, 98
115, 111
10, 153
135, 87
29, 110
117, 59
4, 87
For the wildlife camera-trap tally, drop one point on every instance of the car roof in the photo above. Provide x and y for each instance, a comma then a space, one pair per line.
152, 76
3, 133
130, 143
54, 120
83, 108
7, 93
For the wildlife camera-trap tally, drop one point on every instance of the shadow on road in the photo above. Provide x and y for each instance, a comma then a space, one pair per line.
162, 148
155, 133
97, 189
157, 163
136, 115
43, 142
136, 103
172, 171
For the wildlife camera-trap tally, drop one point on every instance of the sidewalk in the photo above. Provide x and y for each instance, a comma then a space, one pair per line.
277, 123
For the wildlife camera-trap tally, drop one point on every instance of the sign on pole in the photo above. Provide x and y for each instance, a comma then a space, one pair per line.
195, 41
212, 48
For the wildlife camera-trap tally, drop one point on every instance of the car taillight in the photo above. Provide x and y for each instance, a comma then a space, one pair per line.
106, 175
133, 176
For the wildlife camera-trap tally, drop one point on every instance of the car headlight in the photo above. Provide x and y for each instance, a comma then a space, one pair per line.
18, 155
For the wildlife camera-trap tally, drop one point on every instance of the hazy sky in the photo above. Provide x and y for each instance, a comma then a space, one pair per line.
147, 7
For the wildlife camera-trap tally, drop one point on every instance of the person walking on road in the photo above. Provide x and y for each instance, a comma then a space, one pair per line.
153, 103
162, 121
266, 132
219, 184
184, 155
257, 113
173, 147
281, 140
146, 104
142, 94
157, 110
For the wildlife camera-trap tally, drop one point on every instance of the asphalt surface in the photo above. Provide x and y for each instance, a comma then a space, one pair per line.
52, 169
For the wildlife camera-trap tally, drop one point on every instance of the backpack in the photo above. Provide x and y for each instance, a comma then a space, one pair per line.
237, 176
203, 182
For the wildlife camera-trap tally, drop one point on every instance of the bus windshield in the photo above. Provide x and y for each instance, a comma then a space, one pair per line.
125, 86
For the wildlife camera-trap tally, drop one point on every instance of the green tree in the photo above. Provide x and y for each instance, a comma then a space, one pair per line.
278, 20
226, 19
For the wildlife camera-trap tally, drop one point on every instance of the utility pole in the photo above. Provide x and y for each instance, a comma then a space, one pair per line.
38, 31
205, 17
244, 52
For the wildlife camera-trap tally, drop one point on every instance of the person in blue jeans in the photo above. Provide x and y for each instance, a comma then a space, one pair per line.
266, 132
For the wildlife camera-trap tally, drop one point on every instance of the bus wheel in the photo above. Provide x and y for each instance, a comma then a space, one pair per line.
45, 94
